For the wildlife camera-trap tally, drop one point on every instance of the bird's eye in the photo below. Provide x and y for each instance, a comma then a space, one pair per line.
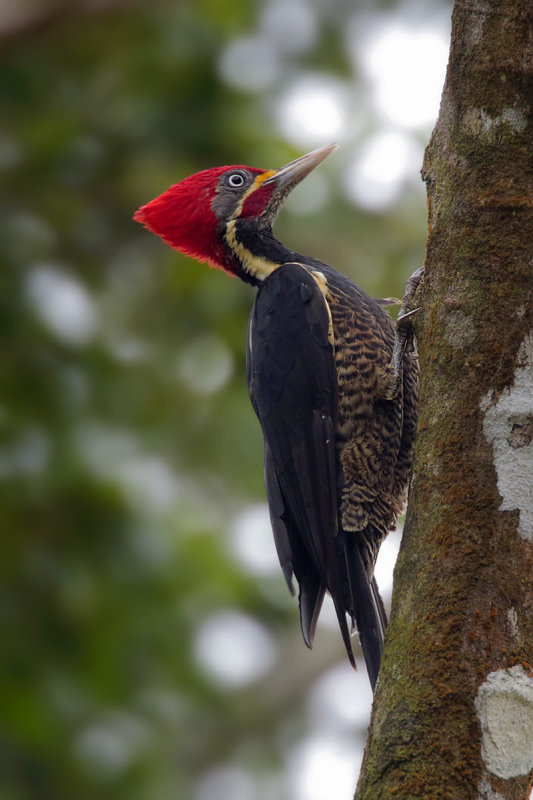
235, 180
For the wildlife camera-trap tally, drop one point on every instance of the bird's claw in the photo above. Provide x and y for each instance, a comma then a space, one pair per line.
401, 319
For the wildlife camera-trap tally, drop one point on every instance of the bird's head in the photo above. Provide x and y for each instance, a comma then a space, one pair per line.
224, 215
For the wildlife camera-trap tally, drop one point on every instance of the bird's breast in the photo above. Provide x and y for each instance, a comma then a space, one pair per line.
368, 424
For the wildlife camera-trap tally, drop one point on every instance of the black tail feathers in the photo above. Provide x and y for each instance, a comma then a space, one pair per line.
365, 606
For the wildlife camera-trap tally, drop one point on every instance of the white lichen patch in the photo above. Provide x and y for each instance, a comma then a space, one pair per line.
459, 329
512, 619
508, 426
490, 130
504, 705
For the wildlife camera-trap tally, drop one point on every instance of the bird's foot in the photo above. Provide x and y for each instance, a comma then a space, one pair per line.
404, 340
410, 289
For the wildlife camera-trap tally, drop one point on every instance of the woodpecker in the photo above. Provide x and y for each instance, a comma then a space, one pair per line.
332, 383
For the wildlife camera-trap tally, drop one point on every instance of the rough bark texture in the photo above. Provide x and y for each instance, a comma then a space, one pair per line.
453, 713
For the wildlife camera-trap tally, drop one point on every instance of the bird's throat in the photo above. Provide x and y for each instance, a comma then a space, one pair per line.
253, 251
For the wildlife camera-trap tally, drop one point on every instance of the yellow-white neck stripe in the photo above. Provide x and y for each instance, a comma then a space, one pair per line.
257, 266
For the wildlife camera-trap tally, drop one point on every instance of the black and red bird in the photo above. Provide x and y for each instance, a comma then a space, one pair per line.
337, 408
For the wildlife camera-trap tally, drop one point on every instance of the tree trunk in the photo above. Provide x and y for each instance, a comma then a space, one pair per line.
453, 713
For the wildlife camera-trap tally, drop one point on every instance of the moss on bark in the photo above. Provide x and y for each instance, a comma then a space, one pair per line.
463, 603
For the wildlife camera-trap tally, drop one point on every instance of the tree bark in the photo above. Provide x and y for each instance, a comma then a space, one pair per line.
453, 712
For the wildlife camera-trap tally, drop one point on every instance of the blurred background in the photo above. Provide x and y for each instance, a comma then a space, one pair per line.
150, 648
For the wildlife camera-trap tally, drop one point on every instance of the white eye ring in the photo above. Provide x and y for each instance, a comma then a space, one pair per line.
236, 180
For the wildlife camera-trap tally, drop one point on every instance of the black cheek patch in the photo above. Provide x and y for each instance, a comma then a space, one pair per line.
225, 202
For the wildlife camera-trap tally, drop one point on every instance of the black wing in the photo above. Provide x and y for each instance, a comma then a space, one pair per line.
293, 388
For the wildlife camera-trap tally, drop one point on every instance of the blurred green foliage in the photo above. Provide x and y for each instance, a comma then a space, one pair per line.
120, 469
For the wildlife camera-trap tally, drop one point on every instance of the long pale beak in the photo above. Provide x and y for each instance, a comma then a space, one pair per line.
289, 176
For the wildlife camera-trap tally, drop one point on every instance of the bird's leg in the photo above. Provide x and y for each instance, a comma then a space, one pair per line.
404, 328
